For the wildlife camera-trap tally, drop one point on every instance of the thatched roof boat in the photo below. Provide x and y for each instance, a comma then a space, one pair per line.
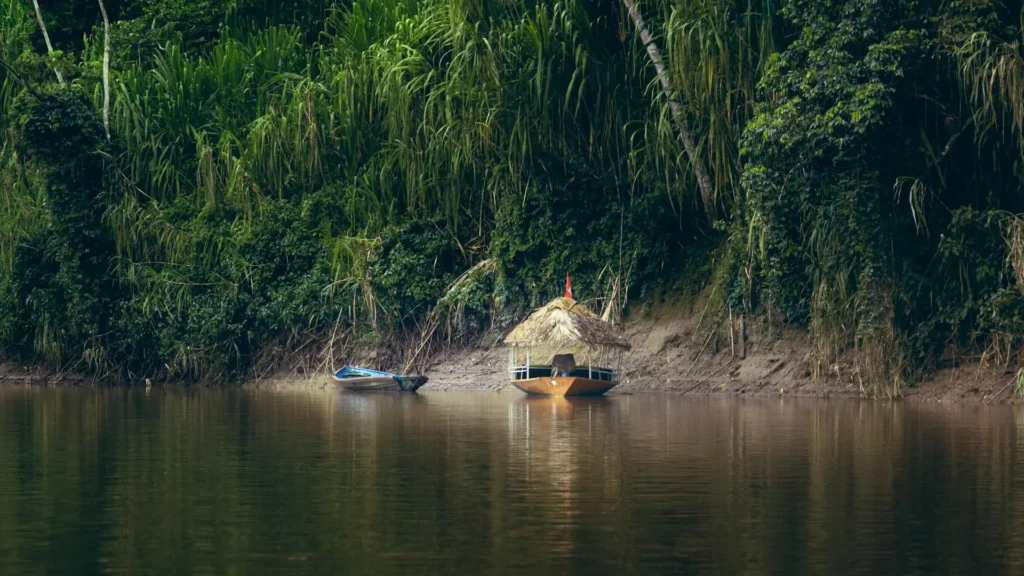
566, 322
577, 350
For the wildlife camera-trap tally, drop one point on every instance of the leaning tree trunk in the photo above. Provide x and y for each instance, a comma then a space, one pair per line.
707, 192
106, 69
46, 37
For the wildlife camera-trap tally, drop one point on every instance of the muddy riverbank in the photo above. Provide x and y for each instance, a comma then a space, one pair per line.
675, 350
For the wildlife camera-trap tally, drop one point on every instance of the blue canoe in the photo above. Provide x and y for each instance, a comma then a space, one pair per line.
354, 378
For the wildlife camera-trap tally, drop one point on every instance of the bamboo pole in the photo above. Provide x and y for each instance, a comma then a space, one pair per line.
678, 114
732, 335
743, 337
106, 69
46, 37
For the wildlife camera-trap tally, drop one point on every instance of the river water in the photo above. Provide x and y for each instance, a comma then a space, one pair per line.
236, 482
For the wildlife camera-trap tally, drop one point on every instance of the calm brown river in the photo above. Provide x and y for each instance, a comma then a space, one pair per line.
231, 482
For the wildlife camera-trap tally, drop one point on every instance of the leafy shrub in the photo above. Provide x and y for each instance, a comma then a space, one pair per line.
413, 266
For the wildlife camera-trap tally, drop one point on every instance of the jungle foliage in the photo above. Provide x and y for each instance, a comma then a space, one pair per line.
281, 173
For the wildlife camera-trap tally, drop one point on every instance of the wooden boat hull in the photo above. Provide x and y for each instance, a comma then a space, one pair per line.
381, 383
564, 386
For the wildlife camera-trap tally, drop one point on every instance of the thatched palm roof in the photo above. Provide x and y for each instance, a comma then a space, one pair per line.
564, 322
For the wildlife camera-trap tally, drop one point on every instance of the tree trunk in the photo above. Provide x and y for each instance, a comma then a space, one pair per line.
707, 191
46, 37
106, 69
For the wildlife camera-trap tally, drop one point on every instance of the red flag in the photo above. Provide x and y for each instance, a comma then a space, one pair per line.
568, 286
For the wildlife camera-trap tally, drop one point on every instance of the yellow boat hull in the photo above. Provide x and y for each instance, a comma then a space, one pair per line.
564, 386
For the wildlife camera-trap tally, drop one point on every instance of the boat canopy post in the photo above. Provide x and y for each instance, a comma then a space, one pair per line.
512, 362
517, 369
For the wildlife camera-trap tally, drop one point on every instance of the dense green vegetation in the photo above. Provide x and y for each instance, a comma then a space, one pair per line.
284, 174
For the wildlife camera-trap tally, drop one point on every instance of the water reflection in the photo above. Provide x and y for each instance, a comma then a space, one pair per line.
97, 481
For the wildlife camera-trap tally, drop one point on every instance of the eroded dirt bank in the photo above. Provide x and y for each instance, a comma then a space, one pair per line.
676, 350
679, 350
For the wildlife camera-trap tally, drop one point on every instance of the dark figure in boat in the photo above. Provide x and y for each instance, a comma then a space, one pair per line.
563, 365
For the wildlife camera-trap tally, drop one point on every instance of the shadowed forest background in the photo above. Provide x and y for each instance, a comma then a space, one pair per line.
295, 177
